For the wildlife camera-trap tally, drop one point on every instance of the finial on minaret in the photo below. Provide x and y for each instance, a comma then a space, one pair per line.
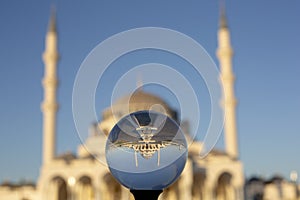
52, 21
223, 18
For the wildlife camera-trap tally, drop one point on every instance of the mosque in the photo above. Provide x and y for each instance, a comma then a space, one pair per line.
219, 176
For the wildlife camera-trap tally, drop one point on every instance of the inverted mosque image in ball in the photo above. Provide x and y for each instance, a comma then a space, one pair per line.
146, 150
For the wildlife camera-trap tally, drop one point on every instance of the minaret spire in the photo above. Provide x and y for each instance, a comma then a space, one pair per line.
52, 21
224, 54
50, 82
223, 18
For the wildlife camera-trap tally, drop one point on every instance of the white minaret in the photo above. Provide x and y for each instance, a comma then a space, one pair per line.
224, 54
49, 106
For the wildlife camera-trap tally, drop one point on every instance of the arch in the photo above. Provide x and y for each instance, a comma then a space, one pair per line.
85, 180
58, 189
113, 190
224, 189
172, 192
56, 176
198, 185
84, 188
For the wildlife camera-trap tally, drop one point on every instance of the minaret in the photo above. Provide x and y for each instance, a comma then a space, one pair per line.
49, 106
224, 54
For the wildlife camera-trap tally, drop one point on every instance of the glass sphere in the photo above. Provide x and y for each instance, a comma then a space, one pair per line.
146, 150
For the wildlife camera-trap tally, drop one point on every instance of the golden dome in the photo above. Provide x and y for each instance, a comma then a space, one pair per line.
139, 100
141, 97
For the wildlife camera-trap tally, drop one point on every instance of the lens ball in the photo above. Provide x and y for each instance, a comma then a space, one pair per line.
146, 150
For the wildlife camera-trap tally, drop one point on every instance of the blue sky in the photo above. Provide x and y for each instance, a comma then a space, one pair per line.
265, 38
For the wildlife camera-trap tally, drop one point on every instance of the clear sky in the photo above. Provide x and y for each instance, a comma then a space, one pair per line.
266, 42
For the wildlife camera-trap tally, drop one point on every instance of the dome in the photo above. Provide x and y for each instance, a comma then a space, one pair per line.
139, 100
141, 97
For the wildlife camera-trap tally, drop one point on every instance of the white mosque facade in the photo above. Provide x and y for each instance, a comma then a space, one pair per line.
219, 176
